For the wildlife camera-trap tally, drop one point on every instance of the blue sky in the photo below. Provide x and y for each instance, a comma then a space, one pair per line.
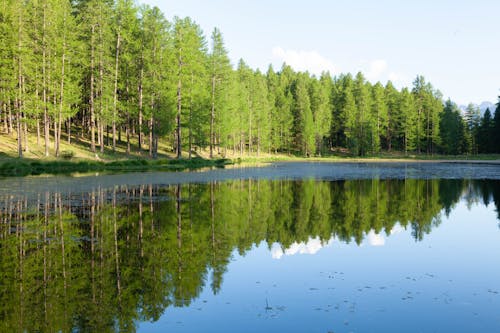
454, 44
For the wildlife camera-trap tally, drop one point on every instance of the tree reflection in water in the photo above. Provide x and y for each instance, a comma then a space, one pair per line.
104, 260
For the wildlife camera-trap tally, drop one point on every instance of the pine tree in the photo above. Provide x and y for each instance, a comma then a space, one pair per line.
429, 106
391, 99
124, 25
472, 119
154, 85
272, 81
496, 129
485, 133
190, 58
303, 127
95, 24
261, 111
348, 116
379, 115
409, 125
284, 107
364, 122
7, 75
452, 130
220, 68
67, 69
320, 92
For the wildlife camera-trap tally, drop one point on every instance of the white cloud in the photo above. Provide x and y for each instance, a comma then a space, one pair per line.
376, 69
312, 246
397, 229
300, 60
379, 70
375, 239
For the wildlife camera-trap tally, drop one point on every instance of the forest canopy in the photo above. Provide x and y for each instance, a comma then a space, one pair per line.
111, 71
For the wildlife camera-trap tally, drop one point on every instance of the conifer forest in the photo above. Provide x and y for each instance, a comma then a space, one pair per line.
104, 72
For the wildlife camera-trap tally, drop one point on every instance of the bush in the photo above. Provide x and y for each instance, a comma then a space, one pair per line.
67, 154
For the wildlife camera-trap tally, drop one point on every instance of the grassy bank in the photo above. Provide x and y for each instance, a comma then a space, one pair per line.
393, 157
77, 158
27, 167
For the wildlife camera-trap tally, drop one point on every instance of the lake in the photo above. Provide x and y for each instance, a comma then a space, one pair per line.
291, 247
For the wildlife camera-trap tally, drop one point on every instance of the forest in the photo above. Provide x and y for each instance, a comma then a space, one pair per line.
109, 72
104, 260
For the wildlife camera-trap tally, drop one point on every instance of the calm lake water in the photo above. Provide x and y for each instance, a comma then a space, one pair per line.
293, 247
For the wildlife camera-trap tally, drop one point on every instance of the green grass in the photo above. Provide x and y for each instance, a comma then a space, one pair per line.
25, 167
77, 158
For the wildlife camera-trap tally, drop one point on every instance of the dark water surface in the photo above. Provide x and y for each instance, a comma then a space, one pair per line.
345, 248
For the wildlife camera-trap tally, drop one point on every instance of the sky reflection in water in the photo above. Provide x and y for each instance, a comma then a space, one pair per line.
447, 282
254, 256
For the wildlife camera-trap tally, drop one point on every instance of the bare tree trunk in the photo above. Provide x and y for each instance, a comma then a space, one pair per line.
102, 136
191, 116
179, 108
19, 136
151, 128
20, 90
98, 132
11, 129
69, 130
127, 132
115, 95
38, 132
26, 145
6, 118
212, 119
140, 143
178, 119
258, 139
91, 101
44, 87
101, 88
61, 92
249, 127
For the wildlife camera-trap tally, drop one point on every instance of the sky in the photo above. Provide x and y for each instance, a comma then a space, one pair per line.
455, 45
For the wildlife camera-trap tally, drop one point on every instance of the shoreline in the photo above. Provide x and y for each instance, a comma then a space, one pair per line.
34, 167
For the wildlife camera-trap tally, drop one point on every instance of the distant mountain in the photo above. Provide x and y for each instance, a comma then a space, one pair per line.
482, 107
485, 105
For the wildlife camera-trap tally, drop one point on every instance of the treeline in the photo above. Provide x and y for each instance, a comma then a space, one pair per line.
105, 260
109, 72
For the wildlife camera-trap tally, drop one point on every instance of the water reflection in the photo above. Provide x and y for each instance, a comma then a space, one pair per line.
104, 260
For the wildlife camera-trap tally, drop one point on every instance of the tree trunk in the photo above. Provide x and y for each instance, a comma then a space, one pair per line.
38, 132
115, 94
20, 91
91, 100
26, 145
44, 88
212, 119
61, 94
179, 108
10, 127
127, 132
151, 128
5, 115
19, 135
178, 119
140, 142
102, 136
69, 130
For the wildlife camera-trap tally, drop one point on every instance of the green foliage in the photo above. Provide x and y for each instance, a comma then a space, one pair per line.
453, 130
103, 68
303, 125
107, 259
